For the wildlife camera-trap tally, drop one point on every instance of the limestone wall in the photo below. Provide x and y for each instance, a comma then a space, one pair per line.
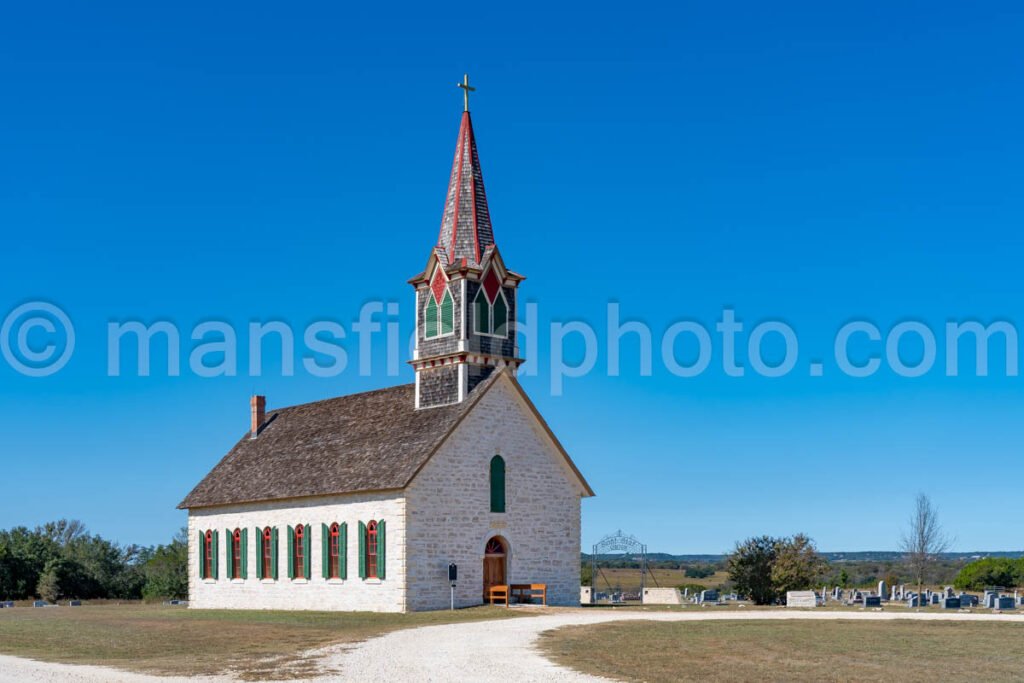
449, 516
318, 593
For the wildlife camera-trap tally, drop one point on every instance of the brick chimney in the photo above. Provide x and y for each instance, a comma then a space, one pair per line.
259, 413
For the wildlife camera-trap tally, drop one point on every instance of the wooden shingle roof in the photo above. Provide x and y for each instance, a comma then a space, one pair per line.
363, 442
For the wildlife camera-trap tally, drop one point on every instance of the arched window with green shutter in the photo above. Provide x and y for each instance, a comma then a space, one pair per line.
481, 314
497, 484
499, 314
447, 313
490, 318
430, 317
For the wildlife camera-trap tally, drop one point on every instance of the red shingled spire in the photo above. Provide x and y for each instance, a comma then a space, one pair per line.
466, 224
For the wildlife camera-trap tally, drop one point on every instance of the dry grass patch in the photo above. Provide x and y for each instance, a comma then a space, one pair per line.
173, 640
629, 579
913, 651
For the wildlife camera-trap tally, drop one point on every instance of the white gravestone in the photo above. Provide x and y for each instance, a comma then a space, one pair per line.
801, 599
662, 596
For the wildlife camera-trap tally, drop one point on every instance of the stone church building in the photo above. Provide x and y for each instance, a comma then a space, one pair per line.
361, 502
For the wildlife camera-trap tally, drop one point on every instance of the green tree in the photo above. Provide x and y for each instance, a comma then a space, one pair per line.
698, 571
65, 578
166, 571
797, 565
750, 569
991, 571
844, 578
24, 556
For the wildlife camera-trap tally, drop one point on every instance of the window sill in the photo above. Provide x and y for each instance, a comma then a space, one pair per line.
209, 580
300, 580
335, 582
374, 581
267, 581
237, 580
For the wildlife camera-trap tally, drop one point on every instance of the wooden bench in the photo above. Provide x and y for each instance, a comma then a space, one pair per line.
526, 592
498, 593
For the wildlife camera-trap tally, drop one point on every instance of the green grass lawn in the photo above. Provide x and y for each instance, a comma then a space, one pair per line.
173, 640
911, 651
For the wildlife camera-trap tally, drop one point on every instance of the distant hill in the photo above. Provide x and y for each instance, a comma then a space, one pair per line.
850, 556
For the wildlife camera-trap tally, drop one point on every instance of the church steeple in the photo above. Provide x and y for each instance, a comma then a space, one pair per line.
466, 231
466, 299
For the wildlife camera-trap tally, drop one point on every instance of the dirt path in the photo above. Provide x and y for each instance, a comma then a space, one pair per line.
501, 651
505, 651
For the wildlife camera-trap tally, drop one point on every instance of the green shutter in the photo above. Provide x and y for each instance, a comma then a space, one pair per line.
259, 554
447, 313
381, 545
245, 553
362, 550
273, 553
500, 323
325, 551
291, 553
307, 541
497, 484
343, 550
430, 317
216, 554
230, 558
481, 314
202, 555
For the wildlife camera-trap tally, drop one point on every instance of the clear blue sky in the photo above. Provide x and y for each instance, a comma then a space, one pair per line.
798, 161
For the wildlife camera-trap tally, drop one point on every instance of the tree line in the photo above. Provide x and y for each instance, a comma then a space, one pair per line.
991, 572
766, 568
62, 560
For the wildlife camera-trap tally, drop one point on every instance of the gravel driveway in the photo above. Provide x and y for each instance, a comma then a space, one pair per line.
479, 652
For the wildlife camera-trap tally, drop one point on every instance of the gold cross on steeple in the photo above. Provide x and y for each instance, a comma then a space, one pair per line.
467, 89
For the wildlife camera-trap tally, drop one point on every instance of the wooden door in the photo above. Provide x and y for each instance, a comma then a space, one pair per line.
494, 565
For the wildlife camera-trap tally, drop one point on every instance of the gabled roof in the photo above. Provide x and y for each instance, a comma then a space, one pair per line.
373, 441
466, 223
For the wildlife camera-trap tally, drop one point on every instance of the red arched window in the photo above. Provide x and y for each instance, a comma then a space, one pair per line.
298, 566
208, 555
334, 553
268, 554
236, 554
371, 550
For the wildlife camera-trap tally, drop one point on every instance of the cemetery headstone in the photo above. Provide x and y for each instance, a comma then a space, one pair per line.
951, 603
40, 603
74, 603
1004, 602
873, 601
882, 589
912, 601
709, 596
801, 599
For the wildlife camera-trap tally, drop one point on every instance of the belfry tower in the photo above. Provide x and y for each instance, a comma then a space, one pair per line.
466, 299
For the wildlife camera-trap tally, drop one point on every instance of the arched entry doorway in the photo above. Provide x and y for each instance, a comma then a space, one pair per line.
495, 563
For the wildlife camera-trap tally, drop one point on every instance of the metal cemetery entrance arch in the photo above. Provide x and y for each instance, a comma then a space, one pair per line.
630, 549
